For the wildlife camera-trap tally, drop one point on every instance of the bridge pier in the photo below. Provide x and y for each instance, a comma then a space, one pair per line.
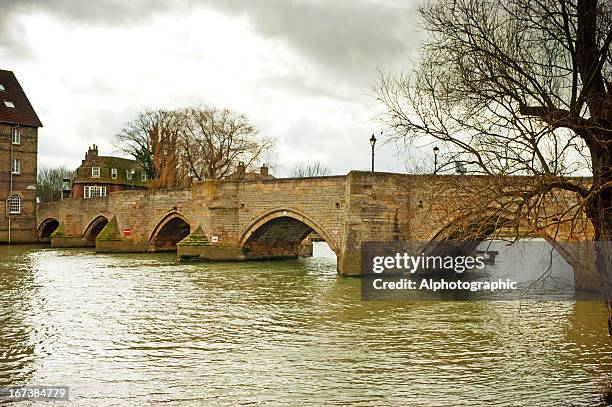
197, 247
69, 241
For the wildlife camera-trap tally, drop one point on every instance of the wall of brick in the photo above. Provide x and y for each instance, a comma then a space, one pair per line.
23, 225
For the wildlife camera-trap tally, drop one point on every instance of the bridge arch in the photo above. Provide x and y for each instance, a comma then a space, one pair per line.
170, 230
47, 227
94, 228
279, 233
578, 254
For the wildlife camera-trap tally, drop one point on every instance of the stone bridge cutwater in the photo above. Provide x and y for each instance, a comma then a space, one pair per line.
236, 220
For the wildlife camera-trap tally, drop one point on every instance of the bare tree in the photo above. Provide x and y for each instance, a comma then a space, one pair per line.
50, 182
203, 143
214, 141
136, 138
314, 169
152, 138
518, 87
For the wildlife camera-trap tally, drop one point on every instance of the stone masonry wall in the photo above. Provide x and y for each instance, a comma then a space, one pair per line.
344, 210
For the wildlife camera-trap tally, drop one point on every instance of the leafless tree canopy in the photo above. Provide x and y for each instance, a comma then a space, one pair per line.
314, 169
517, 87
50, 183
200, 143
214, 141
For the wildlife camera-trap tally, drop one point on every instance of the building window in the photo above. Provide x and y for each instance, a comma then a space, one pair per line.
129, 174
14, 205
16, 135
16, 166
94, 191
95, 172
113, 173
8, 103
143, 177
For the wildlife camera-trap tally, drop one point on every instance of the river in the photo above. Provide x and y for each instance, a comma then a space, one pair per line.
138, 329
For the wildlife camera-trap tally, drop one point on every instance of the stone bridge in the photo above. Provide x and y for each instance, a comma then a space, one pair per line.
260, 219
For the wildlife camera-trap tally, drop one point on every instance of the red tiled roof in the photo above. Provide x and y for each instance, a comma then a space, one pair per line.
23, 113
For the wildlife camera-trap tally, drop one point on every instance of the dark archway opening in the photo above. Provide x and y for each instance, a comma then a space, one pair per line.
47, 228
94, 229
172, 232
281, 238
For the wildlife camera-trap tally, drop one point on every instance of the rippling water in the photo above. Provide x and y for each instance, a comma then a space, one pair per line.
140, 329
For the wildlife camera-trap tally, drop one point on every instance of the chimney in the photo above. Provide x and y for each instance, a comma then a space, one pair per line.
263, 171
92, 152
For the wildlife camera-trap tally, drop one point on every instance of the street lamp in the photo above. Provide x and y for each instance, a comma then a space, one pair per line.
373, 143
132, 172
65, 188
436, 150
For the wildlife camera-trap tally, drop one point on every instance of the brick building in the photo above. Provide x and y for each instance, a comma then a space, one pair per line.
18, 162
100, 175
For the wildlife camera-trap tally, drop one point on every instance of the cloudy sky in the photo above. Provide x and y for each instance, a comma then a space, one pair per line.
302, 70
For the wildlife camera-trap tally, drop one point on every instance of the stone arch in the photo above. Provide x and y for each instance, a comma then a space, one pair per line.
47, 227
94, 228
577, 254
278, 234
170, 230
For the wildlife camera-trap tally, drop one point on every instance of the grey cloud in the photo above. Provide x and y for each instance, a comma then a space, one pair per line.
348, 38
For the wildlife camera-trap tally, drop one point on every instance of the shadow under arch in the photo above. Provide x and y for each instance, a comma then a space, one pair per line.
170, 230
46, 228
279, 234
94, 228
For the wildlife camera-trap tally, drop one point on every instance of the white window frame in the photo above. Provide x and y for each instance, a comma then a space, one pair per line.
14, 205
95, 172
15, 135
128, 174
113, 173
16, 166
2, 88
94, 191
10, 104
143, 176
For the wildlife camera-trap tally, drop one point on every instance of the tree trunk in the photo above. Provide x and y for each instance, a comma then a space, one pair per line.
600, 213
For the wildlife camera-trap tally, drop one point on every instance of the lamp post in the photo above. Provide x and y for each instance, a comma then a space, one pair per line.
133, 172
436, 150
373, 143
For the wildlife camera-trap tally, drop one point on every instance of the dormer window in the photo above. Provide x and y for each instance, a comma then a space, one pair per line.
95, 172
8, 103
113, 173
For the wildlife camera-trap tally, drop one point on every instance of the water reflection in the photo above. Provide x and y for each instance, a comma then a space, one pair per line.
141, 329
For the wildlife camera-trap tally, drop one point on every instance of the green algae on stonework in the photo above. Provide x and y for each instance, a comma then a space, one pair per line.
110, 231
197, 238
58, 232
